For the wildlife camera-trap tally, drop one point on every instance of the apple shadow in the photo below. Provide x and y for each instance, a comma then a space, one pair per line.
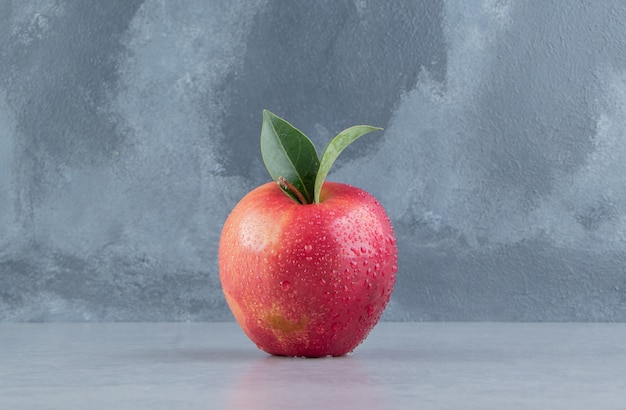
291, 382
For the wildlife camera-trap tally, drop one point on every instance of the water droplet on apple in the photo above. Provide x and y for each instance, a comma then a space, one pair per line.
308, 248
355, 251
370, 310
335, 326
322, 281
353, 264
377, 266
285, 285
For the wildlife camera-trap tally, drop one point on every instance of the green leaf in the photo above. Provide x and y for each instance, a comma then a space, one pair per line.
332, 151
287, 152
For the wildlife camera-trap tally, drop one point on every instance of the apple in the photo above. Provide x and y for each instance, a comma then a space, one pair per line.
306, 266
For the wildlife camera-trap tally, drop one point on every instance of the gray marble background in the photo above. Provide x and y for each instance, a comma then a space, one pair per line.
129, 129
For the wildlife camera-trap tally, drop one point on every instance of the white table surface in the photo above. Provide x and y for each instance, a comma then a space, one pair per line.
400, 365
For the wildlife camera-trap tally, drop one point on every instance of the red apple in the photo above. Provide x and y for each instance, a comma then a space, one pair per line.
307, 278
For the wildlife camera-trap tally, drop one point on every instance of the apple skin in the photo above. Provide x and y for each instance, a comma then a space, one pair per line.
307, 280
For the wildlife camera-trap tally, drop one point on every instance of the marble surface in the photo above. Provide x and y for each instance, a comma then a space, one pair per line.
129, 130
400, 365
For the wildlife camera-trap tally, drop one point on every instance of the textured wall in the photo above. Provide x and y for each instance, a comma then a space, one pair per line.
129, 129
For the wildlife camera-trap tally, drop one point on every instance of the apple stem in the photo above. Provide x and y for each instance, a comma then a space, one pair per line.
287, 186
